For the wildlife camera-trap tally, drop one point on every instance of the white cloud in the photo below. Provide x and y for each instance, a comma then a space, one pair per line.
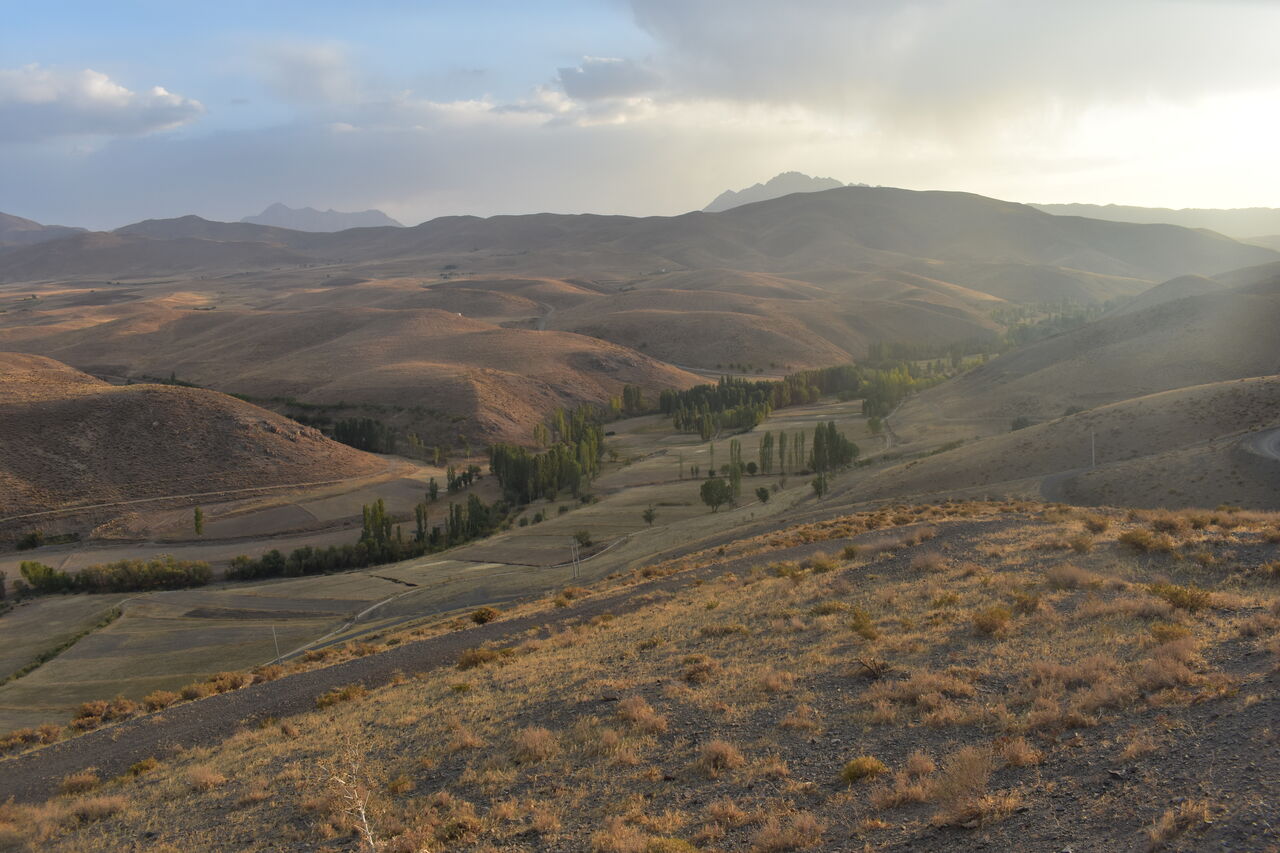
39, 103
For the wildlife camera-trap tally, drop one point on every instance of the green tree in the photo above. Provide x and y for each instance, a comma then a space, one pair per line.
820, 485
199, 521
766, 453
649, 515
715, 493
763, 494
583, 537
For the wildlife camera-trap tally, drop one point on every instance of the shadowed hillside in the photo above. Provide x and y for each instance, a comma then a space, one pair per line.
69, 439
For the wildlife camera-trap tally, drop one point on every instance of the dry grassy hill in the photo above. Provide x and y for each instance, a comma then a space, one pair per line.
460, 375
955, 677
1173, 448
69, 439
1171, 344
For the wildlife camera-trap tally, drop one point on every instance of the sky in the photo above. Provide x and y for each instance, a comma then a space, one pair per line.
115, 112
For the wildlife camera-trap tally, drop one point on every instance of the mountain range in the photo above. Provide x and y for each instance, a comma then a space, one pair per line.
310, 219
776, 187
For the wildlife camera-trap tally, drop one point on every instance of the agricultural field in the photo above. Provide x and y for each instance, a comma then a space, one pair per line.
164, 640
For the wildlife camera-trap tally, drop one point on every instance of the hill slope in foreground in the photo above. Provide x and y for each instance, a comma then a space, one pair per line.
960, 676
69, 439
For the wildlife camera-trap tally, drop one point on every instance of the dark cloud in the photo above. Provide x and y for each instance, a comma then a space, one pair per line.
599, 78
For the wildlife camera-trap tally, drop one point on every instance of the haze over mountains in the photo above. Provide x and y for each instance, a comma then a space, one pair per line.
1240, 223
16, 231
490, 323
310, 219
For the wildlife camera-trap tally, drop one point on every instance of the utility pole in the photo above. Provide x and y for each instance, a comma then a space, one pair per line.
573, 553
277, 642
1093, 448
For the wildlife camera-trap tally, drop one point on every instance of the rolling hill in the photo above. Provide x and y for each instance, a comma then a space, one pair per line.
1243, 223
67, 439
16, 231
430, 371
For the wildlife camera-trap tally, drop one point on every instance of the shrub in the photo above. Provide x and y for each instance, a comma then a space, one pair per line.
204, 778
861, 623
1145, 542
79, 783
930, 561
158, 700
849, 551
146, 765
98, 808
472, 658
820, 563
535, 744
1067, 576
1096, 523
802, 831
717, 756
346, 693
485, 615
639, 713
1190, 598
863, 767
1175, 822
991, 620
699, 669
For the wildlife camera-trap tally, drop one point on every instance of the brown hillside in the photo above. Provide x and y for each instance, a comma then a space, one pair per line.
1145, 452
1172, 344
69, 439
444, 374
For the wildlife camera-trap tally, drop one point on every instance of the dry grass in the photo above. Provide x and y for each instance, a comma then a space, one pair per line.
718, 756
1177, 822
534, 744
205, 779
640, 714
536, 754
797, 832
863, 767
79, 783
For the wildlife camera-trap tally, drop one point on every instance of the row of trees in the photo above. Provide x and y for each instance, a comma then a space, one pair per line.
831, 451
162, 572
365, 434
739, 405
381, 541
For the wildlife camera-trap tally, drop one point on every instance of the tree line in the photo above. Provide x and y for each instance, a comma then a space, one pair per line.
576, 446
162, 572
739, 405
381, 541
829, 451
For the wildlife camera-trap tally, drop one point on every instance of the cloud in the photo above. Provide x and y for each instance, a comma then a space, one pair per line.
308, 72
39, 103
944, 65
598, 78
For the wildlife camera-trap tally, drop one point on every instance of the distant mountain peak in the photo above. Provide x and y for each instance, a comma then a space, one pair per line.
16, 231
309, 219
785, 183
